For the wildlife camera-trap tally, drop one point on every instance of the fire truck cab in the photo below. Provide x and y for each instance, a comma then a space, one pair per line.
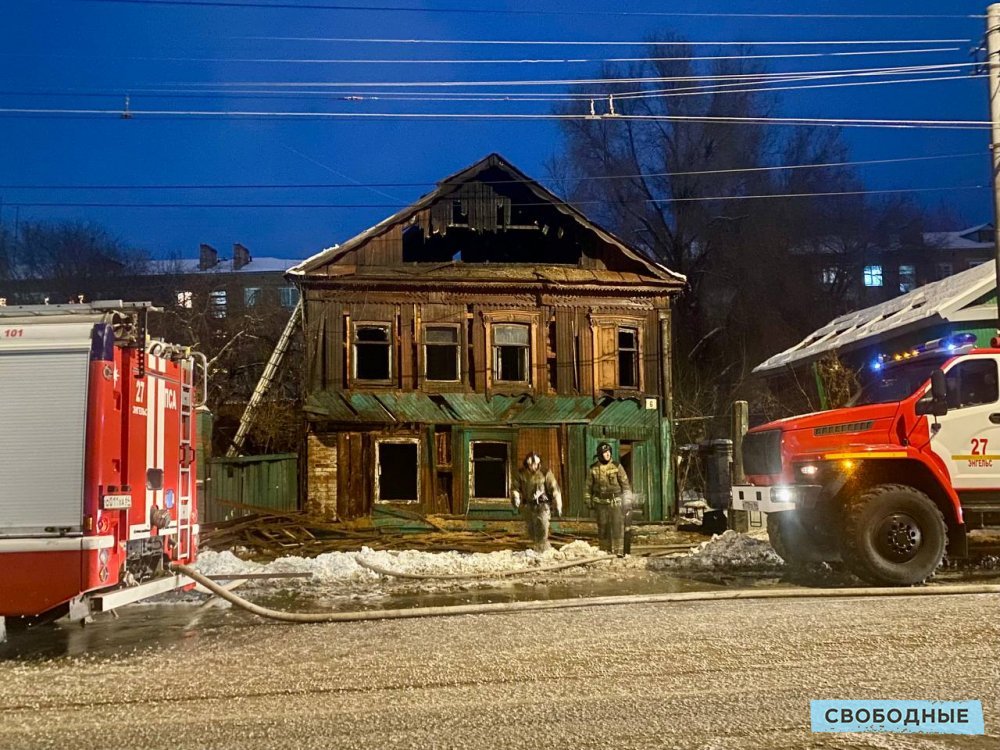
891, 483
97, 459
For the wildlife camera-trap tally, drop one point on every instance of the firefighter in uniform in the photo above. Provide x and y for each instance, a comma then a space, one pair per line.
536, 495
608, 492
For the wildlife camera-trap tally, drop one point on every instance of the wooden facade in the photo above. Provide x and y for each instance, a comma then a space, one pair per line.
486, 321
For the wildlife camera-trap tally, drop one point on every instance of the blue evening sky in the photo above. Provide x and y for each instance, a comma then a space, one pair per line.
82, 54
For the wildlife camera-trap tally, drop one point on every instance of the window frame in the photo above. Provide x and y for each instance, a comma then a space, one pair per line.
522, 317
459, 352
218, 302
618, 322
637, 358
973, 362
292, 293
508, 475
911, 284
390, 327
254, 299
869, 274
377, 499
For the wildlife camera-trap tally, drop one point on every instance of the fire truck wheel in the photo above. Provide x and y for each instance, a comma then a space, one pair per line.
894, 535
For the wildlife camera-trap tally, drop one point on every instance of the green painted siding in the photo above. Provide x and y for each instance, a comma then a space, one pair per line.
267, 482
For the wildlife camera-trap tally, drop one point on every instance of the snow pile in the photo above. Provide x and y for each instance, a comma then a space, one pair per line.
731, 552
338, 568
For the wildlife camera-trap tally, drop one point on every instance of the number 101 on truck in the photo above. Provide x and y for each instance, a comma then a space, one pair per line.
891, 483
97, 459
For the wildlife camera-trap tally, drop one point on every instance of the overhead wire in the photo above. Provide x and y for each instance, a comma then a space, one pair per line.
610, 43
481, 61
656, 201
465, 10
352, 184
732, 77
474, 116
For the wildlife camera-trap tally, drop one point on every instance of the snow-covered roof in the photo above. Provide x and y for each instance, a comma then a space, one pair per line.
942, 301
964, 239
191, 265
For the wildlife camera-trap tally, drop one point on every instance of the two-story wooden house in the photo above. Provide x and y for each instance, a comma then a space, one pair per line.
487, 320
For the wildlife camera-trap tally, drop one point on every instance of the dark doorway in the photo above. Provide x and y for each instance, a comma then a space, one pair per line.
398, 472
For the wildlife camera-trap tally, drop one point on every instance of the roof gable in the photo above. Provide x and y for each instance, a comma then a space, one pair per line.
487, 198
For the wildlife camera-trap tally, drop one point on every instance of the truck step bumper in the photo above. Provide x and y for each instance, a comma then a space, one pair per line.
777, 499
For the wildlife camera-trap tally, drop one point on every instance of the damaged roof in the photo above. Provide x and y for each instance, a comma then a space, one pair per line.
448, 184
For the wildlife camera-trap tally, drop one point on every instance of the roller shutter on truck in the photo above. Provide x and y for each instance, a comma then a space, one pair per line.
43, 420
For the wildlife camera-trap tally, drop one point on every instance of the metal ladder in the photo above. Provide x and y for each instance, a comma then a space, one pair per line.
185, 491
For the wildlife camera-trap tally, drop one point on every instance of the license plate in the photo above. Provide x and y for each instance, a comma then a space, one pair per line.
751, 505
116, 502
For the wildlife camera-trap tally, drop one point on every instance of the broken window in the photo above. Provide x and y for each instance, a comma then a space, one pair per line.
490, 471
628, 358
511, 352
873, 275
373, 351
398, 471
442, 353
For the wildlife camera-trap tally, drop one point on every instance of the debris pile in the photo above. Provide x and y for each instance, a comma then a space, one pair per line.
271, 536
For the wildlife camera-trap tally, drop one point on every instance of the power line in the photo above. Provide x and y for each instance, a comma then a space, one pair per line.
577, 43
323, 185
731, 77
522, 12
824, 194
481, 61
473, 116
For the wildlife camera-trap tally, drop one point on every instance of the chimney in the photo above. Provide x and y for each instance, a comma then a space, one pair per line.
241, 256
208, 257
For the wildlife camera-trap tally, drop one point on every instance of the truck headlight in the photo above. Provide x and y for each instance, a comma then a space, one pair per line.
783, 495
808, 470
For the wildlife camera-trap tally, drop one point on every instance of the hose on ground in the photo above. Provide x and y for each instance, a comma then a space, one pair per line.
599, 601
470, 576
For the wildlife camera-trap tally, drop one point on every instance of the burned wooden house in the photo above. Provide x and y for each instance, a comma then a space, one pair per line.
487, 320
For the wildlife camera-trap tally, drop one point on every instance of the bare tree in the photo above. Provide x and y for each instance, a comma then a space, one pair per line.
755, 266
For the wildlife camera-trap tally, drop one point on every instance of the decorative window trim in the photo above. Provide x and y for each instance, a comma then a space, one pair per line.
618, 322
353, 349
459, 353
532, 320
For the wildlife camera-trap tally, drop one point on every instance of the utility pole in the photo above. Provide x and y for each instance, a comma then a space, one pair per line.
993, 70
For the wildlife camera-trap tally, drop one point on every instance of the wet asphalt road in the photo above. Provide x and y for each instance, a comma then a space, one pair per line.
719, 675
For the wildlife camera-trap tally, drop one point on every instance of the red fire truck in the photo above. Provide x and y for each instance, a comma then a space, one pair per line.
97, 459
890, 483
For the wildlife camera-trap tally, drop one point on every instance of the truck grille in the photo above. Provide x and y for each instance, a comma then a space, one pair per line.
762, 452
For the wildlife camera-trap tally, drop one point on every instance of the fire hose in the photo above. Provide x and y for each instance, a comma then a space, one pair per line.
599, 601
490, 574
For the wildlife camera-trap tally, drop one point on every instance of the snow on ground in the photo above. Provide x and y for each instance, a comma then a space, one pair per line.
339, 572
729, 552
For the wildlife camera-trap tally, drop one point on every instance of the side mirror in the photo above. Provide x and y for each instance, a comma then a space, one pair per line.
936, 401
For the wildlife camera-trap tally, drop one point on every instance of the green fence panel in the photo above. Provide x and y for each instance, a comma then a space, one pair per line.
264, 482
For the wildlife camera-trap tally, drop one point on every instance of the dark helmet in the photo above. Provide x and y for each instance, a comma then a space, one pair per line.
603, 447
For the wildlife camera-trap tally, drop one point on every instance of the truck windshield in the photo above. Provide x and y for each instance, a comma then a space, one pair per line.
897, 381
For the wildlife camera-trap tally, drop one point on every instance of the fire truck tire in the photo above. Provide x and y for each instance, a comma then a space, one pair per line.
894, 535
